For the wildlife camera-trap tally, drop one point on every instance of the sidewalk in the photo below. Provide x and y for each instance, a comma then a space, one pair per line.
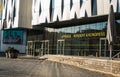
41, 68
103, 65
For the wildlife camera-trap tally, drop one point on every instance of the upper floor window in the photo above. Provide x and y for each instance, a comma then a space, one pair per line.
53, 1
94, 7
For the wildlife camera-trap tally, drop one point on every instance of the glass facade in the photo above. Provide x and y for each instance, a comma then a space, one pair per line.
83, 40
77, 40
80, 40
94, 7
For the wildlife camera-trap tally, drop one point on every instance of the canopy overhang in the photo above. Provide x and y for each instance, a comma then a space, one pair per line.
73, 22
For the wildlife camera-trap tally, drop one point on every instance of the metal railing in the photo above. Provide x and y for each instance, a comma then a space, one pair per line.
116, 56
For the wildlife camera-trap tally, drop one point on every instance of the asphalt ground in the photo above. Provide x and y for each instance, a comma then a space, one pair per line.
41, 68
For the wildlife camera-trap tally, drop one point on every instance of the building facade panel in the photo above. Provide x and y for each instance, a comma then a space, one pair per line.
17, 13
25, 14
73, 8
10, 13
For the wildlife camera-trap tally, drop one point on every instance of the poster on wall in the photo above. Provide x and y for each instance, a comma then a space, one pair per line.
12, 37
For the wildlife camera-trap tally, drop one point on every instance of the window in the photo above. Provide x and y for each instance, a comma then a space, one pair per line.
94, 7
81, 1
53, 1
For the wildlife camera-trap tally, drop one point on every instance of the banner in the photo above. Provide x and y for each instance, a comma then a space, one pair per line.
13, 37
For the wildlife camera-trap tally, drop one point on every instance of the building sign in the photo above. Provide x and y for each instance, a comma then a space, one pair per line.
46, 11
13, 37
84, 35
66, 36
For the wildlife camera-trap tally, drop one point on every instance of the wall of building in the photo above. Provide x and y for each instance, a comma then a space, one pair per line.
20, 47
17, 13
61, 10
25, 13
10, 13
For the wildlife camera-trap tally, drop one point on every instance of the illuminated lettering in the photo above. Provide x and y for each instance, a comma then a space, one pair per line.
66, 36
98, 34
84, 35
78, 35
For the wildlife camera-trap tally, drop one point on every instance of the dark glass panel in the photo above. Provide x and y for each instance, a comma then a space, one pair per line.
94, 7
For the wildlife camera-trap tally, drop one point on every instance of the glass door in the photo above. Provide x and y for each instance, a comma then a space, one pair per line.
35, 48
45, 47
30, 48
60, 46
103, 47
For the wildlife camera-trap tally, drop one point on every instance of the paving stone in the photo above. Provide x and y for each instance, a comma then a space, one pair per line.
41, 68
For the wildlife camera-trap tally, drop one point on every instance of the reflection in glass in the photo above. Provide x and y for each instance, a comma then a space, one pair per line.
79, 39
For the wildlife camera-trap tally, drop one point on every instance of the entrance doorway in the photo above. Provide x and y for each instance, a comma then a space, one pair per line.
60, 46
45, 47
33, 48
37, 48
103, 47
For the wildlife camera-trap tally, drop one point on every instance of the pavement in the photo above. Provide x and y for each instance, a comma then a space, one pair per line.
27, 66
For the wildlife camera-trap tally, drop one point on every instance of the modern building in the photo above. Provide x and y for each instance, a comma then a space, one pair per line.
16, 19
67, 27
